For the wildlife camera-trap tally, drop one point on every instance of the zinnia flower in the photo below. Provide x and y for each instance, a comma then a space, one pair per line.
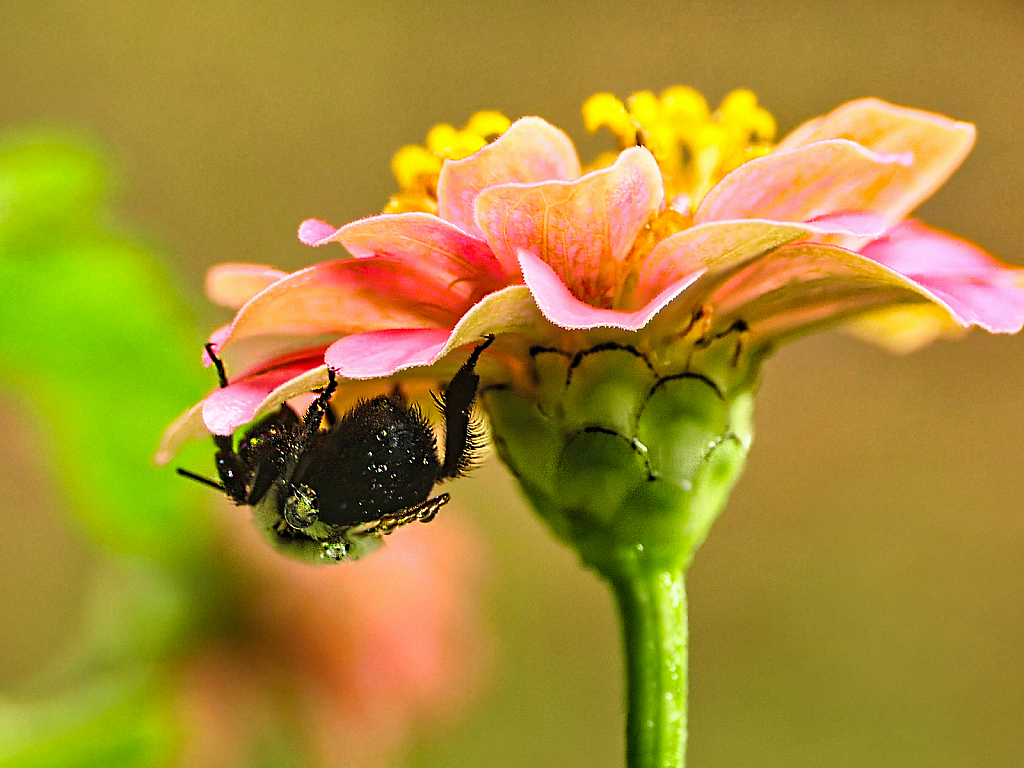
522, 244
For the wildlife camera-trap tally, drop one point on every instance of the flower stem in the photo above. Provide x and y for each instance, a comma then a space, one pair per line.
654, 627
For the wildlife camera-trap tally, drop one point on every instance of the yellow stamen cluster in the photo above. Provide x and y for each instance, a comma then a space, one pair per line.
694, 146
417, 167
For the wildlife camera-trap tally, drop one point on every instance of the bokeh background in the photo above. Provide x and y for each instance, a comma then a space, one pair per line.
860, 603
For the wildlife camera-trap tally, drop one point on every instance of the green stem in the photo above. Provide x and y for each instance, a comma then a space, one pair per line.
654, 628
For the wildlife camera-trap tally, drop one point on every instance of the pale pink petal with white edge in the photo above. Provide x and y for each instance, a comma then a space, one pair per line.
582, 229
807, 183
978, 289
566, 311
937, 143
530, 150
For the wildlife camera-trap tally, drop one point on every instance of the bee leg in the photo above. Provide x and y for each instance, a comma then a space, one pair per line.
425, 511
318, 409
429, 509
460, 438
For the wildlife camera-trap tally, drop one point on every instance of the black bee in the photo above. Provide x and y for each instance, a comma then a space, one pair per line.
329, 495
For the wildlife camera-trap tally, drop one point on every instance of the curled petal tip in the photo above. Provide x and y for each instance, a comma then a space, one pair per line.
315, 232
561, 307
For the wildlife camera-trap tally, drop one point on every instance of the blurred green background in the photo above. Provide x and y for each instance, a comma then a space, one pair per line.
861, 602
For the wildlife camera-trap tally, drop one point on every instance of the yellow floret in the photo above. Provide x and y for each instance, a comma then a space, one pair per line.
684, 105
413, 164
487, 124
694, 147
604, 110
446, 141
644, 106
417, 168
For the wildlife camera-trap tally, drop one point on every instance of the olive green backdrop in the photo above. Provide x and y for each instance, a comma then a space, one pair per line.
861, 603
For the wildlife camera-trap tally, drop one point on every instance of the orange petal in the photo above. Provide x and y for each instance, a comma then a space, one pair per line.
582, 229
531, 150
905, 328
938, 145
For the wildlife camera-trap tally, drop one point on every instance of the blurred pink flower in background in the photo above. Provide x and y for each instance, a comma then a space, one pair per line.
706, 219
347, 662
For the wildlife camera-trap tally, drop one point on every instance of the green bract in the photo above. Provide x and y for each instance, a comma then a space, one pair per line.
629, 454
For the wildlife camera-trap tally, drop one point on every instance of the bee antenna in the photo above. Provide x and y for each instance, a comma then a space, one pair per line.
201, 479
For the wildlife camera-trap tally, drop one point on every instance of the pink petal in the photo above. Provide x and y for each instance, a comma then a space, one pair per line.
717, 245
565, 310
583, 229
315, 232
937, 143
856, 224
216, 339
355, 295
231, 285
382, 353
433, 242
806, 284
256, 353
977, 288
531, 150
808, 183
225, 410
